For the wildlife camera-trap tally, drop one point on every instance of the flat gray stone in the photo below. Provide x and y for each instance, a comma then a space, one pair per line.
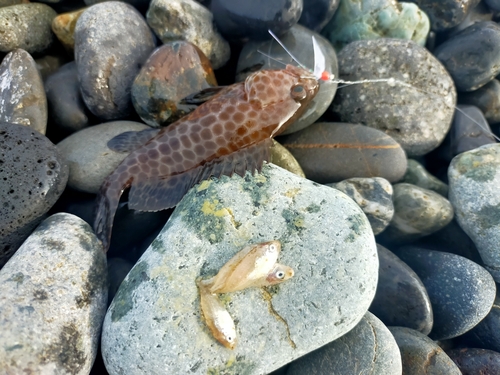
154, 323
89, 159
53, 300
474, 177
368, 349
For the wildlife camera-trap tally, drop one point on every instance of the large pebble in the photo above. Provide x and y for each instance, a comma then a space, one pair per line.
188, 20
416, 174
472, 57
283, 158
299, 42
474, 177
331, 152
63, 27
486, 98
415, 109
53, 300
22, 96
359, 20
141, 5
418, 212
6, 3
461, 291
317, 13
421, 355
26, 26
446, 14
487, 333
34, 175
374, 196
109, 53
368, 349
88, 156
479, 13
473, 361
172, 72
401, 298
154, 320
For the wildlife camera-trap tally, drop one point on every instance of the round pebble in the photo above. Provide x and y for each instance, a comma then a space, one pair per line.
493, 4
283, 158
446, 14
487, 333
63, 27
317, 13
486, 98
416, 109
141, 5
473, 361
416, 174
479, 13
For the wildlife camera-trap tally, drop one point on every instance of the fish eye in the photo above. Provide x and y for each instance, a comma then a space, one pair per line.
298, 92
280, 275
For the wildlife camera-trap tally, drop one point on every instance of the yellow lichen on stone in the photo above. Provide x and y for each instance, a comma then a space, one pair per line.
210, 208
204, 185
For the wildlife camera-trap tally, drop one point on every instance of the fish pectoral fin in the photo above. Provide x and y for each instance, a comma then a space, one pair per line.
202, 96
160, 193
129, 141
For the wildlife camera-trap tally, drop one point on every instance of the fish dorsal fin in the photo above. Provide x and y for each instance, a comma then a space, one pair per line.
160, 193
129, 141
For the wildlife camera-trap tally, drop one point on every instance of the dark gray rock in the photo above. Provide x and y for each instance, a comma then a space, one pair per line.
461, 291
53, 300
416, 111
317, 13
118, 268
493, 4
368, 349
479, 13
416, 174
26, 26
299, 42
49, 64
421, 355
401, 298
473, 361
331, 152
34, 175
487, 333
112, 41
141, 5
418, 212
22, 96
486, 98
374, 196
188, 20
472, 57
474, 177
446, 14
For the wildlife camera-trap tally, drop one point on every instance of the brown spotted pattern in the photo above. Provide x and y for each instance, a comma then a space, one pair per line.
231, 133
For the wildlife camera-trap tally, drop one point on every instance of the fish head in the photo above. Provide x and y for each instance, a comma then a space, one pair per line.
226, 336
279, 274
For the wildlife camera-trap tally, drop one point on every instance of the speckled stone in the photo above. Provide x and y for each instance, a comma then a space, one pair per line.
374, 196
416, 174
487, 333
446, 14
374, 19
368, 349
331, 152
53, 300
418, 212
486, 98
461, 291
6, 3
474, 177
299, 42
88, 156
472, 57
416, 111
34, 175
64, 27
109, 53
26, 26
154, 320
421, 355
172, 72
317, 13
283, 158
401, 298
473, 361
22, 96
188, 20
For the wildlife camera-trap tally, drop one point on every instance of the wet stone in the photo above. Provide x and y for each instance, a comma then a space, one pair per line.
26, 26
474, 177
487, 333
473, 361
240, 20
64, 27
369, 348
109, 53
190, 21
416, 174
53, 299
172, 72
22, 96
325, 238
486, 98
374, 196
418, 212
421, 355
417, 114
332, 152
317, 13
283, 158
472, 57
401, 298
446, 14
461, 291
299, 42
89, 159
34, 175
375, 19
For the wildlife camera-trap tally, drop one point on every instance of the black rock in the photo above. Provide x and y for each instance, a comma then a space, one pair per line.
317, 13
473, 361
486, 98
141, 5
446, 14
493, 4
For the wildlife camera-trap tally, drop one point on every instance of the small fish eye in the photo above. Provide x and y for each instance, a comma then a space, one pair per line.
298, 92
298, 89
280, 275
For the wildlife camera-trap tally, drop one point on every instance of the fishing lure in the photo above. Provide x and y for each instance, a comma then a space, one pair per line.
230, 133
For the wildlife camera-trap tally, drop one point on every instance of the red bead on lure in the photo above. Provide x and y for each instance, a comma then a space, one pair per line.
230, 133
